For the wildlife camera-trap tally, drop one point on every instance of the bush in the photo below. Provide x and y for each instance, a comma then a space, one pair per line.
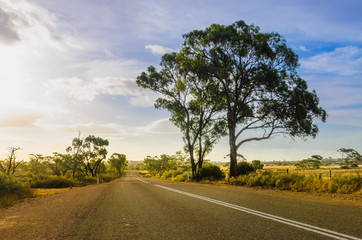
8, 186
106, 177
170, 174
300, 183
181, 177
244, 168
12, 191
52, 182
211, 172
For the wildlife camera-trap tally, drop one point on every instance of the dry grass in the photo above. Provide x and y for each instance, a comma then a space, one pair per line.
324, 171
41, 192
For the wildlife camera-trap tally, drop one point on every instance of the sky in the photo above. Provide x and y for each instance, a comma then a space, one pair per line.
70, 66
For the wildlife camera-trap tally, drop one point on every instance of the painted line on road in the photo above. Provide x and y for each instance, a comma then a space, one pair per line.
304, 226
140, 180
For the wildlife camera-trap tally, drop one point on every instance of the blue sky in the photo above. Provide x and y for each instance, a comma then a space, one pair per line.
70, 66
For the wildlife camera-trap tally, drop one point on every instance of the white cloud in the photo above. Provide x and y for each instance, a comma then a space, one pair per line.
93, 128
115, 86
74, 88
19, 118
144, 100
342, 61
101, 68
158, 49
82, 91
303, 48
22, 21
161, 126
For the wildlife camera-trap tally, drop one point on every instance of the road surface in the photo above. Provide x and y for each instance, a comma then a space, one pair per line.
138, 208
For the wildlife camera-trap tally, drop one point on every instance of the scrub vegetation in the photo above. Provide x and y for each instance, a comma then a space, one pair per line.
309, 175
84, 162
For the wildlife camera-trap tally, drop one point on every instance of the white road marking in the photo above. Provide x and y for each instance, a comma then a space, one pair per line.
140, 180
304, 226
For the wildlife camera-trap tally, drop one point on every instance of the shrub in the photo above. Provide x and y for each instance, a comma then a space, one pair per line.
9, 185
300, 183
181, 177
12, 191
107, 177
244, 168
52, 182
211, 172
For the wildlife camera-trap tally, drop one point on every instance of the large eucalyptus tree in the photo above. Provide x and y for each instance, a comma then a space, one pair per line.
256, 75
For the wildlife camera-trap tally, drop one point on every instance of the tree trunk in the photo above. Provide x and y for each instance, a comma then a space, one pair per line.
233, 150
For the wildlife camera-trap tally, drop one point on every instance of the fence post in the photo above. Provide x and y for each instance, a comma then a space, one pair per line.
287, 170
330, 173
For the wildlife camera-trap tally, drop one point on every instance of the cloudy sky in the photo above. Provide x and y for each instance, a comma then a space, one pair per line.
69, 66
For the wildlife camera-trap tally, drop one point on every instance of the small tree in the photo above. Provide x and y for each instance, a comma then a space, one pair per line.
308, 164
257, 164
118, 162
60, 164
9, 165
194, 105
94, 153
351, 158
160, 164
37, 164
76, 151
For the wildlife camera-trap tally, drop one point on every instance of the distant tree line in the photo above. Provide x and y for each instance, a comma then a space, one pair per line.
86, 157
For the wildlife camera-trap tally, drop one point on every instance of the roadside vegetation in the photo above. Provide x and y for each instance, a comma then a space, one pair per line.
84, 162
308, 175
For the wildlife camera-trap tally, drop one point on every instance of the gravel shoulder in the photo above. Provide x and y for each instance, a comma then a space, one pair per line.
52, 217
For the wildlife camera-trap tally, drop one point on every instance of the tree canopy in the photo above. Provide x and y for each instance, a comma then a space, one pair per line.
193, 103
256, 74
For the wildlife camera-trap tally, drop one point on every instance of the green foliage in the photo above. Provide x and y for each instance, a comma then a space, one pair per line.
9, 185
256, 74
257, 164
171, 174
193, 103
12, 190
351, 158
244, 168
308, 164
118, 163
300, 183
60, 164
160, 164
181, 177
52, 182
38, 164
94, 153
211, 172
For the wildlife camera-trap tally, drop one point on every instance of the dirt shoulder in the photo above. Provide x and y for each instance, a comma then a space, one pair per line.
52, 217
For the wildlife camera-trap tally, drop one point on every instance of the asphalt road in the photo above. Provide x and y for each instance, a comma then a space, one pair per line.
135, 208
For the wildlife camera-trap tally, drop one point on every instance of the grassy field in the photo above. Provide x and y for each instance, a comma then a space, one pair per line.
324, 171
